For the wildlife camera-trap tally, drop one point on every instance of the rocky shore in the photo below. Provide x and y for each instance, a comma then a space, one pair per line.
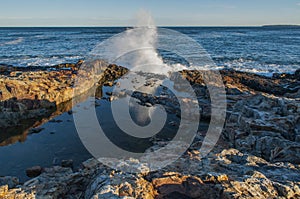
257, 155
32, 96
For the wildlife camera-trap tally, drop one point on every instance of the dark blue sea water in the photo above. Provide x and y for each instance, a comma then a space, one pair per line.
262, 50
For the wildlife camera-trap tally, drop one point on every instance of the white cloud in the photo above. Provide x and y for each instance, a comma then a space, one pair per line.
298, 4
15, 18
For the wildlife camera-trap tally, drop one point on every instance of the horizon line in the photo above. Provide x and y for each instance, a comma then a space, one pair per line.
160, 26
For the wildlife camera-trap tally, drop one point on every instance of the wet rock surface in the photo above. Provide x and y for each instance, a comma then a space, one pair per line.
266, 127
227, 173
34, 171
257, 155
11, 182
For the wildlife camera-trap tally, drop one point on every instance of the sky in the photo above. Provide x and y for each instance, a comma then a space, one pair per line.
164, 12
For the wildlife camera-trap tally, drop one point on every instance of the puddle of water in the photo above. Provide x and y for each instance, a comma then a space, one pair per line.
59, 141
56, 142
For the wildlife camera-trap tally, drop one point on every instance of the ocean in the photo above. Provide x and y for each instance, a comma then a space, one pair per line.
262, 50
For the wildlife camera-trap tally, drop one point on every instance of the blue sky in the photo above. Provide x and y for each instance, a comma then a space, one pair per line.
165, 12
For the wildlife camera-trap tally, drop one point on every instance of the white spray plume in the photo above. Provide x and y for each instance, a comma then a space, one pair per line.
139, 46
144, 19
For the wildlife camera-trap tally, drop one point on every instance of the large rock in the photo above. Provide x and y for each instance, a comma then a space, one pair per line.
34, 171
266, 127
36, 92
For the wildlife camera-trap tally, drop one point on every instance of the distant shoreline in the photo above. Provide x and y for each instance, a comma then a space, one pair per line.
281, 26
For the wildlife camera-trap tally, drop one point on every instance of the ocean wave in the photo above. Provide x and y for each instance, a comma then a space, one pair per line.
39, 60
260, 68
13, 42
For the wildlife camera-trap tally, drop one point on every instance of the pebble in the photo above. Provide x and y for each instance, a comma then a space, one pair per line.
67, 163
